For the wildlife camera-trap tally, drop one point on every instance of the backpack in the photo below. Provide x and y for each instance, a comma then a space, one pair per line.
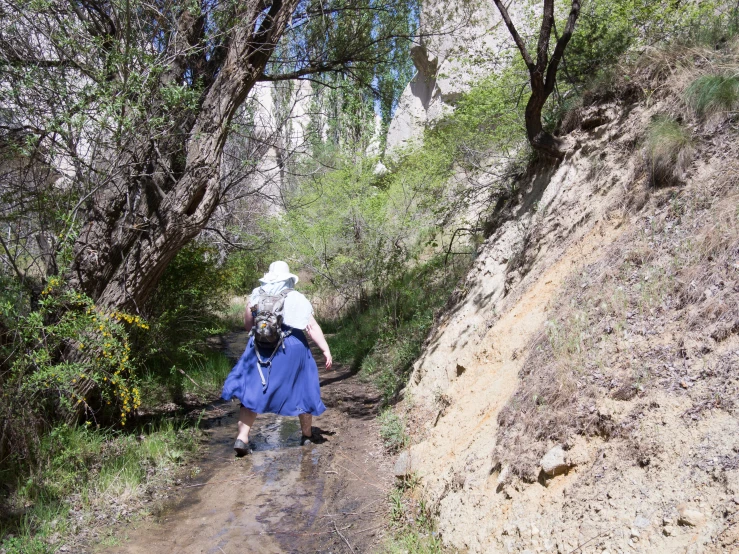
268, 317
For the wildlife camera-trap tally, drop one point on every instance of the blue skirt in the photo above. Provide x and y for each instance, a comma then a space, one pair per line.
292, 380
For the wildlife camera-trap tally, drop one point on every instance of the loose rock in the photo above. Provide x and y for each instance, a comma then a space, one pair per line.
689, 516
555, 462
404, 466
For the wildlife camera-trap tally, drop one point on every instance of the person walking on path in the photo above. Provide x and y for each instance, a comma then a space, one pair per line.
280, 379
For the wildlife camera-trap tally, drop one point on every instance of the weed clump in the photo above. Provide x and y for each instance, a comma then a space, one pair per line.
392, 431
713, 95
668, 151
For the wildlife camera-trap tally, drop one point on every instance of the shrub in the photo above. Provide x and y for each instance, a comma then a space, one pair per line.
668, 151
711, 95
67, 359
185, 308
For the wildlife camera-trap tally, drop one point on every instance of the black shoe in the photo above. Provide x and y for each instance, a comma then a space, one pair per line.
241, 448
306, 440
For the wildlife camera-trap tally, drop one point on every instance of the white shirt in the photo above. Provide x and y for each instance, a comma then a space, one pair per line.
297, 310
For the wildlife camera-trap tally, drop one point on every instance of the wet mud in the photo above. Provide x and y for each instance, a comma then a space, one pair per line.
327, 497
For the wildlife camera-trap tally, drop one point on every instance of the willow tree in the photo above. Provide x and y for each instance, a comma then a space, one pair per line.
131, 102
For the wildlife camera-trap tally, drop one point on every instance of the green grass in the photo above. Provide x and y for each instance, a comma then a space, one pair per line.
163, 381
713, 94
233, 318
392, 430
385, 336
668, 148
413, 531
88, 469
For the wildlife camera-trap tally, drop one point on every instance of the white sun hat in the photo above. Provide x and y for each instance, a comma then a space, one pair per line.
278, 271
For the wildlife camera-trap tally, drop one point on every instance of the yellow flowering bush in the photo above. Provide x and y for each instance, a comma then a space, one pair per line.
70, 359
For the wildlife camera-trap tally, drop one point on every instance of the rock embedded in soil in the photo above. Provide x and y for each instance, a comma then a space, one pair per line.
555, 462
404, 465
689, 516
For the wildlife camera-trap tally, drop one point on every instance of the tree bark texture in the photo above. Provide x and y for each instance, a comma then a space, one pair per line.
542, 72
163, 190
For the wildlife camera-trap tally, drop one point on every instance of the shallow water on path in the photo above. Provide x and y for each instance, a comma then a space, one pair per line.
282, 497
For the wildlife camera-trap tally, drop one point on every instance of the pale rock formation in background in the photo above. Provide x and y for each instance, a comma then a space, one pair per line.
461, 43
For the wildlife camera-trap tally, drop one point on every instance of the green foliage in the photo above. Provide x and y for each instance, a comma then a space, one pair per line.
668, 149
243, 268
713, 94
185, 307
607, 29
392, 430
66, 359
487, 120
383, 337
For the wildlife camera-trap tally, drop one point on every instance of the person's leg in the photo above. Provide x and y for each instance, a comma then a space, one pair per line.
306, 424
246, 420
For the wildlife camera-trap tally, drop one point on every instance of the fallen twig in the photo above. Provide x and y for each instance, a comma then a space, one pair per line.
360, 479
193, 381
591, 539
343, 537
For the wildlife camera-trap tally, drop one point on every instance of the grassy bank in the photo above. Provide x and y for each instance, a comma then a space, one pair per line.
382, 338
86, 480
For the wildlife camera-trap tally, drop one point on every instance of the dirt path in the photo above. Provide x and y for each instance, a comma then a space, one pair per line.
329, 497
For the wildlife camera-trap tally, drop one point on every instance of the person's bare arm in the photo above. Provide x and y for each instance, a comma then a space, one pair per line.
248, 318
316, 334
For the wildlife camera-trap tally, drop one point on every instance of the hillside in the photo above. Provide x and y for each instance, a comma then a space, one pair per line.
578, 394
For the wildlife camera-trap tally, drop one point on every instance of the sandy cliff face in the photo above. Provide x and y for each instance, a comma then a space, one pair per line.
579, 219
461, 42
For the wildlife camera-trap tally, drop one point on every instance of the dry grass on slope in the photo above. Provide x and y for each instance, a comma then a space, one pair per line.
652, 314
656, 310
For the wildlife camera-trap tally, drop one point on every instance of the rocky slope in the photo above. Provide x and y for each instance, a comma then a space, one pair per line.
578, 394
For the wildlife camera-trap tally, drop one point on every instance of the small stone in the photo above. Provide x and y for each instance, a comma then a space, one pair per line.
689, 516
668, 530
641, 522
634, 534
503, 476
554, 462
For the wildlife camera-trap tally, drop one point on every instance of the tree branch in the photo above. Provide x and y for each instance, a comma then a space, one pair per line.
516, 37
559, 49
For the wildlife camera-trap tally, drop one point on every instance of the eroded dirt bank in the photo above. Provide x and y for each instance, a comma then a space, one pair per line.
283, 497
598, 324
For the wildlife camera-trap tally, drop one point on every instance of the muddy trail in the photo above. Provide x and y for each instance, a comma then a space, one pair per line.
327, 497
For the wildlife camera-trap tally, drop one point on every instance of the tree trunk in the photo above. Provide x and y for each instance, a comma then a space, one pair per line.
155, 204
542, 72
540, 140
